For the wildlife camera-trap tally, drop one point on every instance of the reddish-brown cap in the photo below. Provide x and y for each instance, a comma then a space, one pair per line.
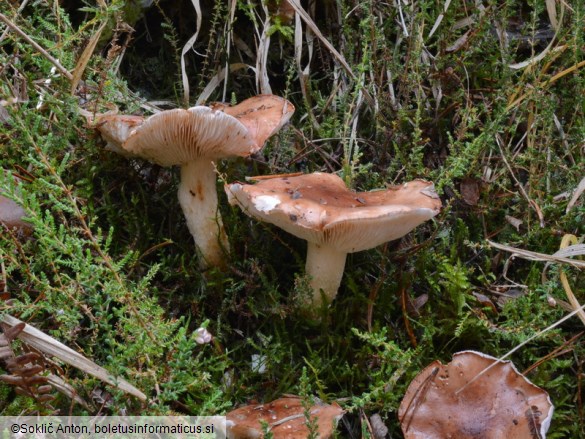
285, 418
460, 400
262, 115
319, 208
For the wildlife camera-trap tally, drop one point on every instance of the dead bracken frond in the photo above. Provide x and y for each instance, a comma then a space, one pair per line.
27, 371
51, 347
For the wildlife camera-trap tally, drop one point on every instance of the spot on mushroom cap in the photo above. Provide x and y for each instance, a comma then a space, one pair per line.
285, 416
500, 403
319, 208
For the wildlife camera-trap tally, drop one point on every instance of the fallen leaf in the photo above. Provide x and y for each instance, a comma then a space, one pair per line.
469, 188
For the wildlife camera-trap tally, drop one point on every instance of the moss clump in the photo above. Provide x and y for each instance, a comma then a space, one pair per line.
110, 268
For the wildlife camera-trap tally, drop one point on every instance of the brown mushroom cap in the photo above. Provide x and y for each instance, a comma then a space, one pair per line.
12, 214
262, 115
321, 209
448, 401
285, 417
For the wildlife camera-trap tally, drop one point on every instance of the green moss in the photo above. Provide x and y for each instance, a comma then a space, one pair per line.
110, 269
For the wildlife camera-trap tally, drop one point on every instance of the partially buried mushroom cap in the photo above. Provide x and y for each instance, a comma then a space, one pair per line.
285, 418
333, 219
194, 139
12, 214
455, 401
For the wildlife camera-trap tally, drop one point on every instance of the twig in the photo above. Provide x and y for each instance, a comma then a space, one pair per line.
524, 343
20, 9
20, 32
531, 202
560, 350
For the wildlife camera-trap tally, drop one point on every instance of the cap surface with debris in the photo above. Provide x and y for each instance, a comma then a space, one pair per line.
464, 400
285, 418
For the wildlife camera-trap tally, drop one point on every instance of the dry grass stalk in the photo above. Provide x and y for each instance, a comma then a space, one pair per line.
188, 46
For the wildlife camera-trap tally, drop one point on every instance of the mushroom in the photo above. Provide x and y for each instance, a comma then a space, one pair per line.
193, 139
285, 418
465, 399
12, 214
333, 220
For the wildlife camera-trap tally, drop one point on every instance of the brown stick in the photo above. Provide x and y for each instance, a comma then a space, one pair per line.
28, 39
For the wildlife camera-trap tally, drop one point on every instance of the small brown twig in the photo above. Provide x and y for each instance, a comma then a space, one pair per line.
530, 201
560, 350
29, 40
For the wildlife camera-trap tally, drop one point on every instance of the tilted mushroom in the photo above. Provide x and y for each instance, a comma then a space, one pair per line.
285, 418
194, 139
333, 220
12, 214
464, 400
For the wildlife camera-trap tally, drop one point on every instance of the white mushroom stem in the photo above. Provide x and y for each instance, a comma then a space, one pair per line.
325, 267
198, 198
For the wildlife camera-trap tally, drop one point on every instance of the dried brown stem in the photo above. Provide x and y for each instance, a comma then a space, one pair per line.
30, 41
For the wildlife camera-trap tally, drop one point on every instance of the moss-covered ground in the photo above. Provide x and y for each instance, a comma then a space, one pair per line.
486, 99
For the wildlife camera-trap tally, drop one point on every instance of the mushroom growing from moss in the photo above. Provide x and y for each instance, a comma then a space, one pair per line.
464, 400
285, 418
194, 139
334, 220
11, 213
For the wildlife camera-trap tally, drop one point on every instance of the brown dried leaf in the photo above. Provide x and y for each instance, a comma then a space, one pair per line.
37, 379
514, 222
29, 357
11, 332
45, 388
45, 398
86, 56
11, 379
29, 371
485, 301
469, 188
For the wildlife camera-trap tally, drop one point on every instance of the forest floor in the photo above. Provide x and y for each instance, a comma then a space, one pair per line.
485, 99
